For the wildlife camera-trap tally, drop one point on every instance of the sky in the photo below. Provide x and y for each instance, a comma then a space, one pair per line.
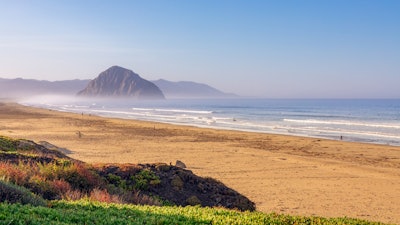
271, 49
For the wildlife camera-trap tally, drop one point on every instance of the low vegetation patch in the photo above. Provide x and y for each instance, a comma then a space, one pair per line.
85, 212
12, 193
7, 144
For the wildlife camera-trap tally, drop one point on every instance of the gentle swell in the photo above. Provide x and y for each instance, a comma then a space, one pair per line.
346, 123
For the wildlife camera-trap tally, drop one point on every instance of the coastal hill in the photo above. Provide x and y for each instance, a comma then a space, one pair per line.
120, 82
46, 173
188, 89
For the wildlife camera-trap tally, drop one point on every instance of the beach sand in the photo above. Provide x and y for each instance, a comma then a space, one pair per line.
283, 174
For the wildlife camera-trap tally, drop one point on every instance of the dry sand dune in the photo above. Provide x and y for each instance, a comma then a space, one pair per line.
291, 175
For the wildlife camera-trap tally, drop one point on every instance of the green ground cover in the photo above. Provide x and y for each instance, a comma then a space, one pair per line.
87, 212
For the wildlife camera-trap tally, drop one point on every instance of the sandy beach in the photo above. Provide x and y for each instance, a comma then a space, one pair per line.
283, 174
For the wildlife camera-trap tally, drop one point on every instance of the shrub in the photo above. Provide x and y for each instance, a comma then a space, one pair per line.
50, 189
177, 183
39, 185
143, 199
60, 186
14, 173
45, 189
145, 178
103, 196
116, 180
73, 195
7, 144
82, 178
193, 200
51, 180
76, 174
16, 194
51, 170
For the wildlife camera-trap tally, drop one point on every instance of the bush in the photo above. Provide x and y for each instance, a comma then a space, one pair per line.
103, 196
43, 188
80, 177
73, 195
14, 173
193, 200
76, 174
7, 144
52, 180
117, 181
60, 186
16, 194
138, 198
144, 179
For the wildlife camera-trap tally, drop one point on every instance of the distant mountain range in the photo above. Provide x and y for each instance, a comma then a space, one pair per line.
128, 84
188, 89
19, 88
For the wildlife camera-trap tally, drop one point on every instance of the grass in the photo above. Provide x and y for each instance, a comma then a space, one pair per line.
86, 212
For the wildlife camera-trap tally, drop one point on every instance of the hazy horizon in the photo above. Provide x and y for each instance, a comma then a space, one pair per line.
271, 49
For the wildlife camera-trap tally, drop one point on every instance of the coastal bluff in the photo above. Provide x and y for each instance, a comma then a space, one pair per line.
120, 82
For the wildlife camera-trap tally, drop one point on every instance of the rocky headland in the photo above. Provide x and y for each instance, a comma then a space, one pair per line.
120, 82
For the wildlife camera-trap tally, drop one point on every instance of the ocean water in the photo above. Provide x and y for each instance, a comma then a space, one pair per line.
357, 120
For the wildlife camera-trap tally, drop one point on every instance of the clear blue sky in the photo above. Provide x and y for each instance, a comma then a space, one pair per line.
301, 49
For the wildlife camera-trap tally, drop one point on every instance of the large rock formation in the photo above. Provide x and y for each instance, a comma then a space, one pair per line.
120, 82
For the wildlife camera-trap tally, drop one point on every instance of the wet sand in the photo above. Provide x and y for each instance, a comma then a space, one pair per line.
283, 174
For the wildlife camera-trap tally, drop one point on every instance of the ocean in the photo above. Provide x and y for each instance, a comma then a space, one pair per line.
356, 120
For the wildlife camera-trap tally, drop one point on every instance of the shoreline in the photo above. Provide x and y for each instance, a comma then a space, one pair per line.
340, 137
280, 173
